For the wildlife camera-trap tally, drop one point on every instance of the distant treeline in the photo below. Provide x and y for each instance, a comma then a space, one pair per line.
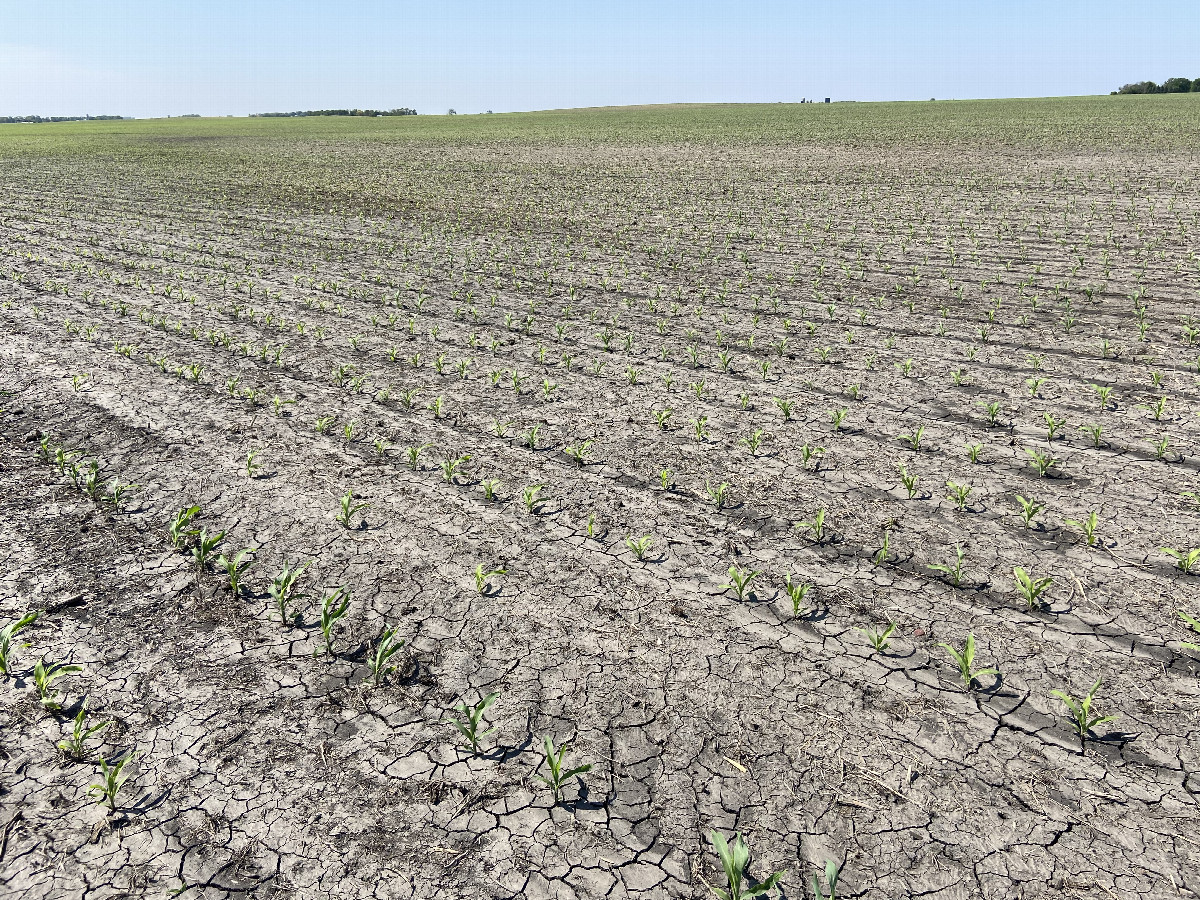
33, 120
402, 111
1170, 86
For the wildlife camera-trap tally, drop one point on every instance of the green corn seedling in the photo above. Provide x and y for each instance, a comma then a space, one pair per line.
236, 567
738, 885
785, 407
1103, 394
879, 638
414, 455
1185, 560
490, 486
348, 508
959, 493
639, 546
1029, 510
206, 547
529, 497
965, 660
481, 578
753, 441
386, 646
112, 779
283, 589
7, 647
75, 746
993, 412
252, 466
1042, 462
952, 571
662, 416
816, 526
832, 870
179, 527
559, 773
1193, 624
797, 591
451, 467
1053, 425
1096, 431
973, 451
1030, 588
739, 581
1086, 527
1079, 710
333, 609
909, 481
44, 677
809, 452
838, 416
718, 495
914, 440
468, 726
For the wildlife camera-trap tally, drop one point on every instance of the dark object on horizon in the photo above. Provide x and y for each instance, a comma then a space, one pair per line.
34, 120
401, 111
1170, 86
826, 99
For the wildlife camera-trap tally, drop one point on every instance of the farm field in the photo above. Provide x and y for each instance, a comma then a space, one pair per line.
706, 443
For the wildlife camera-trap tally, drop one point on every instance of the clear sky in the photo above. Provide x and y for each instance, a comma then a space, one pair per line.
216, 57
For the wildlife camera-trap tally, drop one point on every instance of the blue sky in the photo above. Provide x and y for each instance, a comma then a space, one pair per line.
147, 58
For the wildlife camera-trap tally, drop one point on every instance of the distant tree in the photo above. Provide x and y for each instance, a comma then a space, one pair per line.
1170, 86
451, 112
1177, 86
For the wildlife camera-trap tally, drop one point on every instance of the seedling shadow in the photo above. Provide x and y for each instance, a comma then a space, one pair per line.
582, 801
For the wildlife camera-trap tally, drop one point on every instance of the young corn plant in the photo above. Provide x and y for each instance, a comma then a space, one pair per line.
44, 677
112, 779
472, 718
490, 486
965, 660
559, 774
952, 571
739, 581
481, 578
1087, 527
347, 508
75, 746
753, 441
738, 885
7, 647
1029, 510
451, 467
1191, 623
832, 870
283, 591
909, 481
816, 527
797, 591
1079, 710
958, 493
719, 495
530, 498
206, 548
379, 660
1185, 560
1030, 588
1041, 462
252, 464
639, 546
236, 566
879, 638
914, 440
180, 528
414, 455
334, 607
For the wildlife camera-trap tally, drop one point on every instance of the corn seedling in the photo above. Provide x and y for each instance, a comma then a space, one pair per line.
468, 726
1041, 462
718, 495
529, 497
662, 416
75, 746
179, 527
832, 870
7, 647
808, 453
112, 779
44, 677
909, 481
252, 465
1079, 710
639, 546
734, 861
481, 578
333, 610
559, 774
1087, 527
993, 413
973, 451
1185, 560
347, 508
1030, 588
1095, 431
1103, 394
236, 567
816, 526
579, 453
914, 440
1191, 623
797, 591
282, 589
323, 424
206, 547
739, 581
958, 493
785, 407
753, 441
965, 660
490, 486
451, 466
838, 416
1029, 510
952, 571
386, 646
878, 638
414, 455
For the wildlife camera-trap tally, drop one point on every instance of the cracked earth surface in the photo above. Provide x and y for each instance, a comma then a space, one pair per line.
268, 767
